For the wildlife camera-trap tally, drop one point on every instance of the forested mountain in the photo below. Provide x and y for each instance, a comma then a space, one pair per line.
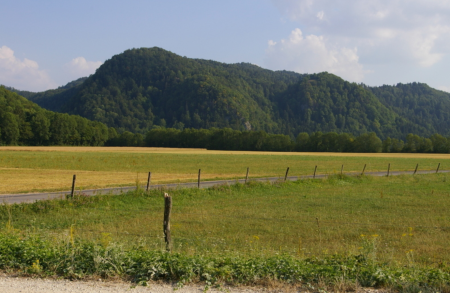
423, 105
24, 123
142, 89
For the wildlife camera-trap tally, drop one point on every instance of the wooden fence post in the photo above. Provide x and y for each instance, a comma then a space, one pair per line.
246, 176
315, 169
364, 169
389, 167
285, 176
148, 180
415, 171
199, 174
437, 170
166, 223
73, 185
342, 169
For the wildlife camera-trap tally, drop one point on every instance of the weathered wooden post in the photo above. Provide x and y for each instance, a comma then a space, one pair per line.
246, 176
342, 169
199, 174
315, 169
285, 176
364, 169
389, 167
73, 185
166, 223
437, 170
415, 171
148, 180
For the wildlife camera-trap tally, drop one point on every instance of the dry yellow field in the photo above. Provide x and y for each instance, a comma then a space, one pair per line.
213, 152
31, 180
31, 169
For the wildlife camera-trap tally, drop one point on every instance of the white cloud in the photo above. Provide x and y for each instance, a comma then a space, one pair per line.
311, 54
80, 67
22, 74
384, 31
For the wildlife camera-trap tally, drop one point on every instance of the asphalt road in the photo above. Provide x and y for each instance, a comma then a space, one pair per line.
31, 197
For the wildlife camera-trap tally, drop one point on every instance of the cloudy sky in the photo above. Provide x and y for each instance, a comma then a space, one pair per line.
45, 44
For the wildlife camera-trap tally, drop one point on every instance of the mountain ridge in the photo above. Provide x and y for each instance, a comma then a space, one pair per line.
144, 88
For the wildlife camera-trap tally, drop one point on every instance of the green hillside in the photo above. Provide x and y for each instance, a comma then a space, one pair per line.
422, 105
141, 89
24, 123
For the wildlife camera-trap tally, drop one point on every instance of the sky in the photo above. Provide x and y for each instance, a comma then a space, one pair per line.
48, 43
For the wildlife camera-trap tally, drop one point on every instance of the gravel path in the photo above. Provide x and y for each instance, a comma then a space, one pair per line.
10, 284
29, 285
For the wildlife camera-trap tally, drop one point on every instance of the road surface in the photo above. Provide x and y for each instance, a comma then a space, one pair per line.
31, 197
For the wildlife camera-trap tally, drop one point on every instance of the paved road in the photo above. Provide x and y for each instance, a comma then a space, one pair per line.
31, 197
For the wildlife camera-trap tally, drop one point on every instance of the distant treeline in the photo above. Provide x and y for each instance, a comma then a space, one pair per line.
229, 139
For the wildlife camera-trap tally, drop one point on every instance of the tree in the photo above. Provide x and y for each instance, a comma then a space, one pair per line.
10, 129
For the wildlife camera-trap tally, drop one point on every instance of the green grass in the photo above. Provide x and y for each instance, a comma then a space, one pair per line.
402, 219
336, 234
331, 233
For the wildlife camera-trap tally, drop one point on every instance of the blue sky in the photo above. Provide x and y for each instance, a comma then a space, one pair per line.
45, 44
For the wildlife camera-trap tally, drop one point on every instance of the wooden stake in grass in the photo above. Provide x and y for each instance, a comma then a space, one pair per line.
389, 167
199, 174
148, 180
285, 176
73, 185
315, 169
437, 170
415, 171
166, 223
342, 169
364, 169
246, 176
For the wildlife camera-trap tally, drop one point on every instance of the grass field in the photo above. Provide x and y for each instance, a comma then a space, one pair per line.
337, 233
27, 169
398, 220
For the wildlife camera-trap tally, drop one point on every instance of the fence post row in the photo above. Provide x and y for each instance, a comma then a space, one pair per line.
166, 223
73, 185
148, 180
246, 176
285, 176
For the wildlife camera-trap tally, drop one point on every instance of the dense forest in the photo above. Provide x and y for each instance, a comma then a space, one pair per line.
24, 123
229, 139
141, 89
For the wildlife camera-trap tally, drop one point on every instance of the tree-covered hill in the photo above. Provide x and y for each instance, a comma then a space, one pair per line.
22, 122
325, 102
145, 87
141, 89
423, 105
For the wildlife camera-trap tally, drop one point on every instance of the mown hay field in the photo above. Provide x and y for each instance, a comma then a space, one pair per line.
31, 169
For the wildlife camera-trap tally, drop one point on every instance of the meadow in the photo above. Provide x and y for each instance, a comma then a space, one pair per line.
342, 231
31, 169
400, 219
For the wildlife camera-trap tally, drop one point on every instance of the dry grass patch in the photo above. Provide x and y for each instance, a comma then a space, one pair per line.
21, 180
155, 150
